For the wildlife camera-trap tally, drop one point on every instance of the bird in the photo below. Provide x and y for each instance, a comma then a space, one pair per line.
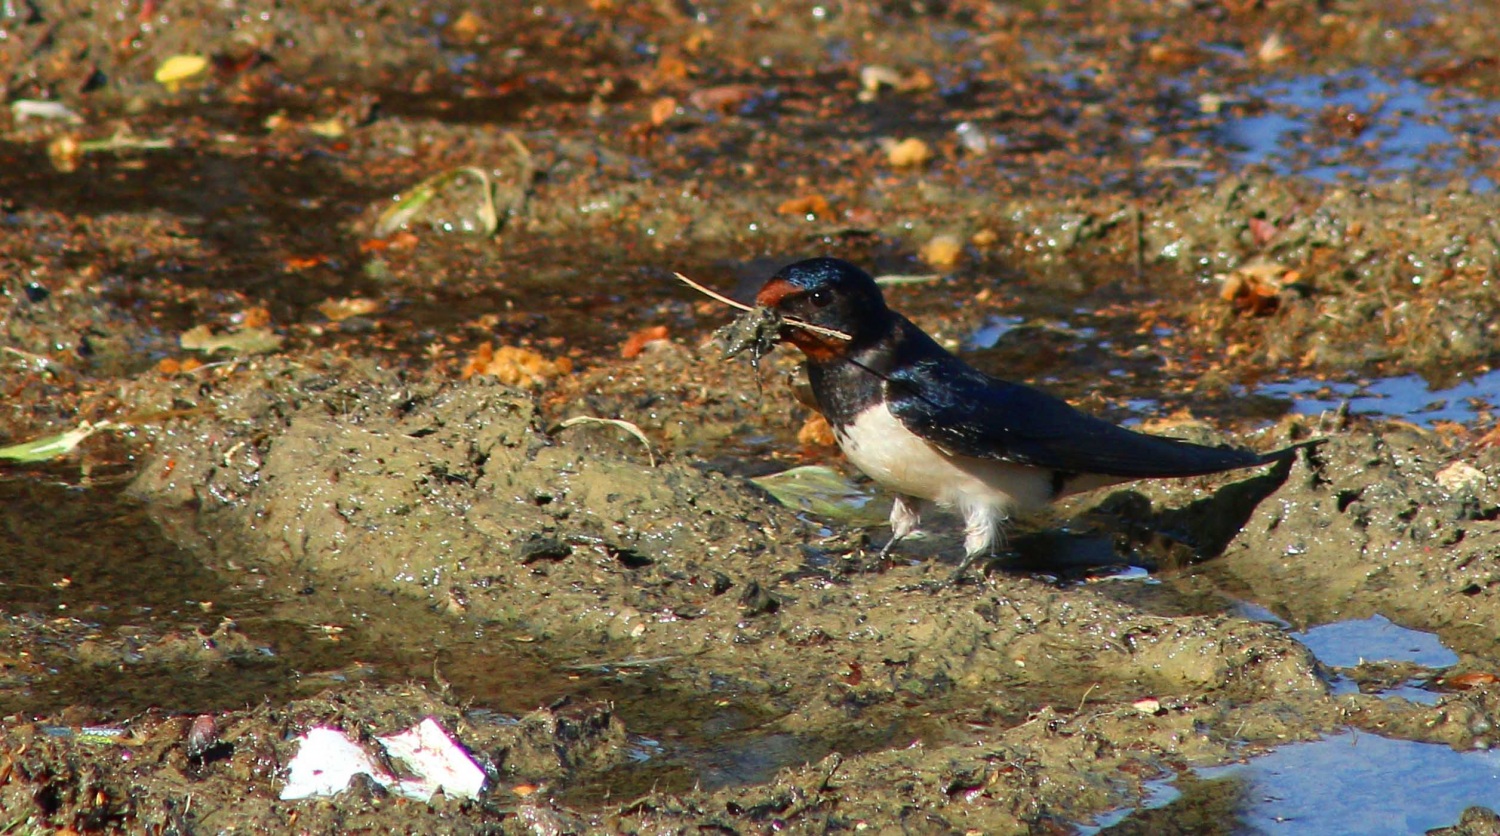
933, 430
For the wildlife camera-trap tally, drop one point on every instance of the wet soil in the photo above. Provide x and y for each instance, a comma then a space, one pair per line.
354, 529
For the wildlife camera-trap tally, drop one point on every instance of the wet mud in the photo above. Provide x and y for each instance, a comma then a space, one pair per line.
374, 521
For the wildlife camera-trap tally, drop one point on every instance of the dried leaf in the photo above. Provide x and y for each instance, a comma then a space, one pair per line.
1255, 289
816, 432
613, 422
243, 341
813, 204
943, 251
256, 317
663, 109
1274, 48
1459, 476
642, 338
1472, 679
339, 310
907, 153
515, 366
399, 241
1262, 231
724, 98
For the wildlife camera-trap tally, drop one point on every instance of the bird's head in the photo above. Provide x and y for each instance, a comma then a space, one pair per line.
831, 293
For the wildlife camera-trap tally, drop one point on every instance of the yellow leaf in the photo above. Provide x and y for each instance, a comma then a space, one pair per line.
178, 69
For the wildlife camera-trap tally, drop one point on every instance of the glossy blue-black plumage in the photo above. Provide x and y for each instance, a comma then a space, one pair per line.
965, 412
961, 410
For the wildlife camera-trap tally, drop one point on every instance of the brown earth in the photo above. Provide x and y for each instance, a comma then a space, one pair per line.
346, 531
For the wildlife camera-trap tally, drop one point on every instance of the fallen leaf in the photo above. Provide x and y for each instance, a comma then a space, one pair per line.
339, 310
1254, 289
467, 28
822, 491
1274, 48
52, 446
855, 674
515, 366
331, 128
402, 240
943, 251
813, 204
1465, 681
816, 432
1149, 706
874, 76
1261, 231
256, 317
613, 422
65, 152
723, 98
1491, 438
485, 217
907, 153
642, 338
1460, 475
178, 69
663, 109
243, 341
23, 109
302, 262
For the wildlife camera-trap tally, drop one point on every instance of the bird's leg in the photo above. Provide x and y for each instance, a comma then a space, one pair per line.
982, 527
906, 513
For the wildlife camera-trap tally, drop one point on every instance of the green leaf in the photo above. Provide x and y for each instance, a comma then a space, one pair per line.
824, 492
485, 218
52, 446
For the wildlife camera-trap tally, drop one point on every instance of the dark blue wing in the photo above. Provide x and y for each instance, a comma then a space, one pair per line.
968, 413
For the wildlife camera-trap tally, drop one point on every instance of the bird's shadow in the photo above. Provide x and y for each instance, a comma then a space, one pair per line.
1127, 529
1122, 531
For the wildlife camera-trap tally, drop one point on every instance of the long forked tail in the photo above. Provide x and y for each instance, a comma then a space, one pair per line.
1290, 451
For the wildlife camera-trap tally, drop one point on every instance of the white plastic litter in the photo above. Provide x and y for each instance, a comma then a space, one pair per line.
327, 760
437, 760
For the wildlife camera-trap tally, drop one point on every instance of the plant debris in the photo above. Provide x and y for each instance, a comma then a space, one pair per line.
756, 330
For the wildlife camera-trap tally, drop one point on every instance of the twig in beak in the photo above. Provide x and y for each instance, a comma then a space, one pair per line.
789, 320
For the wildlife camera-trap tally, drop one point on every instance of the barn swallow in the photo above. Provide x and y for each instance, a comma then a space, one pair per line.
934, 430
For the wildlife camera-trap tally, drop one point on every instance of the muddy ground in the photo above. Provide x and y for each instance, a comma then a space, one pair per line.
373, 521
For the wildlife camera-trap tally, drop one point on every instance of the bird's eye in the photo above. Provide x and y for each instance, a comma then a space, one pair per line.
821, 297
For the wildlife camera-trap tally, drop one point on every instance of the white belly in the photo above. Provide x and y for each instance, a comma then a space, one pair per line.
901, 461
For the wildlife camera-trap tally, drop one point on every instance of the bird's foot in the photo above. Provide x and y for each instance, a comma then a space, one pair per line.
981, 566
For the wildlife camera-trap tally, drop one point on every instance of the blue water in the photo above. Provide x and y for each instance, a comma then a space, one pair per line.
1407, 397
1412, 128
1345, 644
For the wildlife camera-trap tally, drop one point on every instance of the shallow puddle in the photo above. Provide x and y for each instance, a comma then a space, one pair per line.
1347, 783
1359, 124
1408, 397
1345, 644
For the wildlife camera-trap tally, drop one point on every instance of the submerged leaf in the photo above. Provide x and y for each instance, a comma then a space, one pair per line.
824, 492
485, 217
52, 446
